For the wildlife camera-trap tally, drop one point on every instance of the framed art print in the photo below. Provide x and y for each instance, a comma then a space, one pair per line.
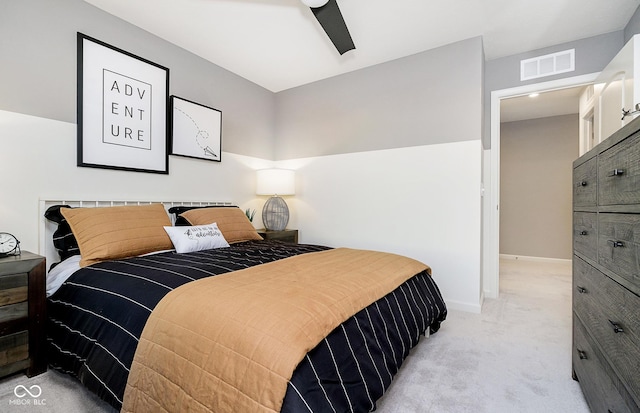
122, 109
196, 130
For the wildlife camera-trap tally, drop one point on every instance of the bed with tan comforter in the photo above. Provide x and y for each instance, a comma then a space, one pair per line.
257, 326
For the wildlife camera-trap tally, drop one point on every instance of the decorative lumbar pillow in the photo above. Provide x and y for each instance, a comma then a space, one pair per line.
196, 238
108, 233
232, 221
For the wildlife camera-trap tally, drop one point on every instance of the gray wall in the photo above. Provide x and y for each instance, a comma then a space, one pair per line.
592, 55
535, 186
384, 106
410, 101
633, 27
38, 70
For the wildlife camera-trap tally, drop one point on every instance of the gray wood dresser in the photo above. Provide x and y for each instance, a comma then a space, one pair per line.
606, 272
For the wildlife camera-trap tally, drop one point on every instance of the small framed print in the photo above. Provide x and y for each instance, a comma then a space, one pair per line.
122, 109
196, 130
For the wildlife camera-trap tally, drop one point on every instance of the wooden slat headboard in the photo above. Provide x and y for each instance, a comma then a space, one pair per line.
47, 228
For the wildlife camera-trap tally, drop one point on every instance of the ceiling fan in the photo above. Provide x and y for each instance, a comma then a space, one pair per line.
330, 18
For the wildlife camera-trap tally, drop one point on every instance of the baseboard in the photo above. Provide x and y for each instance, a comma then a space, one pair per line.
460, 306
537, 259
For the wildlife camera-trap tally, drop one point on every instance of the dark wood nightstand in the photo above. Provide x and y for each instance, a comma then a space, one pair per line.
286, 235
22, 314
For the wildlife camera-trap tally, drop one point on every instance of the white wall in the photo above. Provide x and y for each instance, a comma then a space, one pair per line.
38, 156
423, 202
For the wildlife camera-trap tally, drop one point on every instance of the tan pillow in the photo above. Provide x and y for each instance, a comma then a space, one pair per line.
232, 222
109, 233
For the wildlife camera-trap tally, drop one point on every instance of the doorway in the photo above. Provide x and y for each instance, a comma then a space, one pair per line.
491, 201
539, 140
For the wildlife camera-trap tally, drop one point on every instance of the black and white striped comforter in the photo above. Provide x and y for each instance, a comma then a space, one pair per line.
98, 314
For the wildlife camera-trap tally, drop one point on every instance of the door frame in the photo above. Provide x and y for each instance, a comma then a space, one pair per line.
491, 216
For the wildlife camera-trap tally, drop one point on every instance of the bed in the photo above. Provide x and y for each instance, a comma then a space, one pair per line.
99, 313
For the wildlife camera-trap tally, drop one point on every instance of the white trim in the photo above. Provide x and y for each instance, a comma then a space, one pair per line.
466, 307
491, 218
535, 259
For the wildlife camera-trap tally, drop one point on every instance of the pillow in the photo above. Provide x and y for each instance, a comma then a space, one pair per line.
63, 240
108, 233
181, 221
53, 213
177, 210
196, 238
233, 223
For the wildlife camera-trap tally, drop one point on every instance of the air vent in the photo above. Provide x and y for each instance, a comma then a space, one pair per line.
547, 65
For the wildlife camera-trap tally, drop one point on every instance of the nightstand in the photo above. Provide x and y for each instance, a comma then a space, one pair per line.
286, 235
22, 314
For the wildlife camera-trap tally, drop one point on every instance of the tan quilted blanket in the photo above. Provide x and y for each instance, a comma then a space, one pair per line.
230, 343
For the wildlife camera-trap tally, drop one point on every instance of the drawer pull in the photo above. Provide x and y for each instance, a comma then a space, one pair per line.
582, 183
583, 232
617, 172
581, 354
616, 327
581, 290
616, 244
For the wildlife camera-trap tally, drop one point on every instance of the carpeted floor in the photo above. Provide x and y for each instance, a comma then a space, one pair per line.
514, 357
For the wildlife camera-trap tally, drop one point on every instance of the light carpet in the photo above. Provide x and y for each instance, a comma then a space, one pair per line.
514, 357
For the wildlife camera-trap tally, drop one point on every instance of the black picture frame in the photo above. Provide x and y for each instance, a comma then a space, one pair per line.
196, 130
122, 102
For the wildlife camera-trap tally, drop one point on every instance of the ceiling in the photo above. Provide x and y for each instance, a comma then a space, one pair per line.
552, 103
278, 44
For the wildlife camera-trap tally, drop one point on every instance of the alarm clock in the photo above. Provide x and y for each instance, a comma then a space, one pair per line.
9, 244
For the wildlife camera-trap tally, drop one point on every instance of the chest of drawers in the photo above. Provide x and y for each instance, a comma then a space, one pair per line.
22, 314
606, 272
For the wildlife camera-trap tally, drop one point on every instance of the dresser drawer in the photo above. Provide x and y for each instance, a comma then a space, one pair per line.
13, 289
585, 188
610, 313
585, 236
14, 348
619, 244
14, 308
619, 173
14, 317
600, 388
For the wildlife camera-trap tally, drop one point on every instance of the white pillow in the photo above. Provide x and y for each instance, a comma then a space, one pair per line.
59, 274
196, 237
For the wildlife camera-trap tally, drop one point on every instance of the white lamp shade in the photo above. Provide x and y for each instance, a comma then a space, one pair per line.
275, 182
315, 3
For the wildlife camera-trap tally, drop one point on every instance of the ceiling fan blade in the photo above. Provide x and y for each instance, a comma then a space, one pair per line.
332, 22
